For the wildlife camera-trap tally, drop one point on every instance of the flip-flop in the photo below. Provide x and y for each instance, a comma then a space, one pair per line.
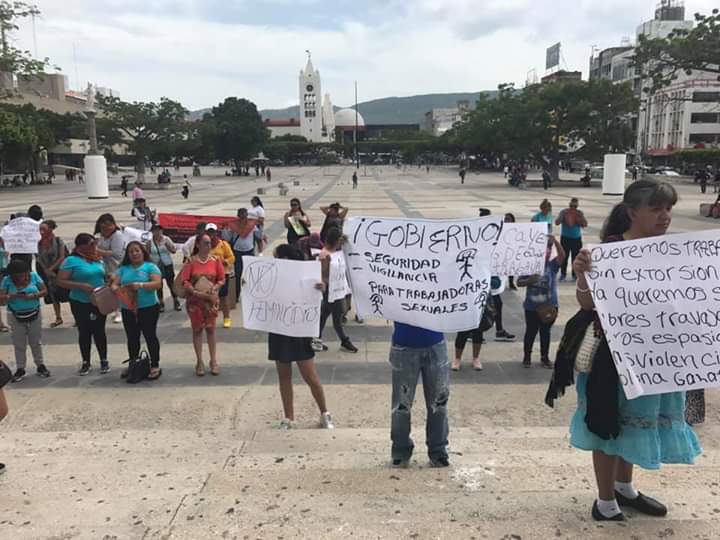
57, 323
157, 375
200, 371
215, 370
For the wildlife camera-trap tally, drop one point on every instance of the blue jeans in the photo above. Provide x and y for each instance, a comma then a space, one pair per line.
407, 365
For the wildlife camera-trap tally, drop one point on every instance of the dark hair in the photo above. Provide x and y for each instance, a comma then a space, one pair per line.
639, 194
198, 237
83, 239
241, 210
104, 218
286, 251
334, 237
17, 266
35, 212
509, 218
126, 258
256, 201
296, 200
156, 227
484, 212
545, 203
50, 224
201, 226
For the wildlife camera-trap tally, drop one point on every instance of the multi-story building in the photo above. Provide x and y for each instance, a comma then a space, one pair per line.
316, 118
438, 121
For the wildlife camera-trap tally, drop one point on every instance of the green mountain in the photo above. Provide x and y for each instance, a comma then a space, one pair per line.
390, 110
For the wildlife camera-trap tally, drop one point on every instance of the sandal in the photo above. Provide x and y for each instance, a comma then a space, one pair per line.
154, 374
200, 370
58, 322
215, 370
4, 328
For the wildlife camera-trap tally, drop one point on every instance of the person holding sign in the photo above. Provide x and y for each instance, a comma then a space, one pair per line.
202, 277
645, 431
284, 350
333, 273
541, 304
83, 272
571, 221
136, 283
296, 222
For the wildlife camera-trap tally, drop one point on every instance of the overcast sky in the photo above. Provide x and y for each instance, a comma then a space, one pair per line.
200, 51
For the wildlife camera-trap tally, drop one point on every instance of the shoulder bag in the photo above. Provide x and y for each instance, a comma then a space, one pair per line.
138, 368
104, 300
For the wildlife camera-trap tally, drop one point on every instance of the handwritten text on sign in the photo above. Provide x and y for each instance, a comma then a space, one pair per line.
21, 235
520, 251
659, 304
279, 296
338, 287
431, 274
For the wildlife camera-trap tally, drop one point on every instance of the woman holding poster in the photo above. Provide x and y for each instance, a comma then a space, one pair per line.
296, 222
645, 431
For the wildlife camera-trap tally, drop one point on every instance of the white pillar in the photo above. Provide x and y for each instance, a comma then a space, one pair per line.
614, 174
96, 180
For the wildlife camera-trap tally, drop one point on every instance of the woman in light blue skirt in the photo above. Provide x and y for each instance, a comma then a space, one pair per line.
645, 431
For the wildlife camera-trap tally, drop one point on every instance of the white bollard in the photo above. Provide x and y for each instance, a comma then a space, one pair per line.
613, 182
96, 179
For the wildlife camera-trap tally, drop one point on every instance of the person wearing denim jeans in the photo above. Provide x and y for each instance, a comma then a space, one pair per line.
419, 352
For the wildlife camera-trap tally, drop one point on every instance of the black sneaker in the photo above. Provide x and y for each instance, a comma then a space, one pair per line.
84, 369
439, 462
2, 468
526, 362
504, 336
104, 367
43, 371
19, 375
401, 463
358, 320
546, 363
347, 346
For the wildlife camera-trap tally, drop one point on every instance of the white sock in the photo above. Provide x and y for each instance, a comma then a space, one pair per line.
626, 489
608, 508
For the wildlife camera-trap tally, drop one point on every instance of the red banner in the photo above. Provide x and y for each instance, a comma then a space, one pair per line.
180, 227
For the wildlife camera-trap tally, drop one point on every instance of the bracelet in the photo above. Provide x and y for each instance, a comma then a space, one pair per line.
578, 289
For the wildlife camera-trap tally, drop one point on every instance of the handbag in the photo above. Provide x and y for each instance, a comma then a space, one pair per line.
587, 350
104, 300
178, 286
487, 321
26, 316
138, 368
547, 313
5, 374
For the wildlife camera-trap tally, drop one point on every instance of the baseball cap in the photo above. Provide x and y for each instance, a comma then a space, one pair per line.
211, 227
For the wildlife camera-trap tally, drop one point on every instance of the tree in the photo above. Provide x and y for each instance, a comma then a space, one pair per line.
13, 60
239, 130
146, 128
663, 60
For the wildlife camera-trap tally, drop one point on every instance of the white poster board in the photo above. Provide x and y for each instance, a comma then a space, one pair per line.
130, 234
338, 287
279, 296
21, 235
520, 250
434, 274
659, 304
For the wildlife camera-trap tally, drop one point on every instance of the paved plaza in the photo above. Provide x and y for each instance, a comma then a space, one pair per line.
193, 458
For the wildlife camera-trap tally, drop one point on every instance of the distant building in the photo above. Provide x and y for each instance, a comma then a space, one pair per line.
278, 128
345, 122
562, 76
439, 121
316, 120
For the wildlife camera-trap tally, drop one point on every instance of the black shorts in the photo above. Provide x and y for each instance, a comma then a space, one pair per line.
224, 289
287, 349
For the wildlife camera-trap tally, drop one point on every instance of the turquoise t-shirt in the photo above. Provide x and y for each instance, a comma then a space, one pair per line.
84, 271
21, 304
540, 217
141, 274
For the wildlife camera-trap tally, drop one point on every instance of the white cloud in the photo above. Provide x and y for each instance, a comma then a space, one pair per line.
151, 48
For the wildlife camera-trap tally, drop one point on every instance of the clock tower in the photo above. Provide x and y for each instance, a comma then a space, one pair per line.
311, 110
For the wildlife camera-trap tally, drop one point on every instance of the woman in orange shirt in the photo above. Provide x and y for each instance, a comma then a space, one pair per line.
222, 251
202, 277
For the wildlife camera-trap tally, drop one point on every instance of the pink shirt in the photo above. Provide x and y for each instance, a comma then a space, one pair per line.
137, 193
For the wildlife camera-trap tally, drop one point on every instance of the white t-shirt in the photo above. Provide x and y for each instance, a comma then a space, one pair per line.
188, 247
256, 212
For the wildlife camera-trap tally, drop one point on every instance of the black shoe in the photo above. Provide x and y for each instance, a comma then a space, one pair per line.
546, 363
347, 346
439, 462
104, 367
84, 369
178, 307
358, 320
43, 371
401, 463
598, 516
504, 336
526, 362
643, 503
2, 468
19, 375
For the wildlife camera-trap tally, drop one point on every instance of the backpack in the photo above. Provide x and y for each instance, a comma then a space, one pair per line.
138, 368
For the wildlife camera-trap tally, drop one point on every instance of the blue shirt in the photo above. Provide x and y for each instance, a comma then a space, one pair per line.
141, 274
540, 217
84, 271
406, 335
570, 231
544, 291
22, 304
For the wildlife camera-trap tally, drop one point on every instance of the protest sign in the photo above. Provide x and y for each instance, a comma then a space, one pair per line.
180, 227
658, 300
338, 287
279, 296
520, 251
434, 274
21, 235
130, 234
